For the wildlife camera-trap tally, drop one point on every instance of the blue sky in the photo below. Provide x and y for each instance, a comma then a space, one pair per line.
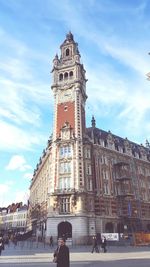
114, 41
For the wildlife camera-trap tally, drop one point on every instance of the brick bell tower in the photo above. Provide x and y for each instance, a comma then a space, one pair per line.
67, 202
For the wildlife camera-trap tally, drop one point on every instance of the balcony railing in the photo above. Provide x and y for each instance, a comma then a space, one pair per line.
63, 191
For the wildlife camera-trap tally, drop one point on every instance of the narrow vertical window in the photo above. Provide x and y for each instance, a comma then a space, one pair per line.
67, 52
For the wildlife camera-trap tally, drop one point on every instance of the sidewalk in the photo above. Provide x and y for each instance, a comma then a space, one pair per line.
32, 248
28, 254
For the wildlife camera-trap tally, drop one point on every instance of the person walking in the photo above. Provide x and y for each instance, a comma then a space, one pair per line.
104, 244
1, 245
51, 243
99, 241
61, 255
15, 241
95, 245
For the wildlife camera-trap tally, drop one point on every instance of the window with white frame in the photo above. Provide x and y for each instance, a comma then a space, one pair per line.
107, 208
90, 187
105, 175
65, 167
65, 205
106, 189
60, 183
88, 153
89, 169
64, 183
65, 151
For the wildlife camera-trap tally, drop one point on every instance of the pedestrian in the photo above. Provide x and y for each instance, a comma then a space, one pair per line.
51, 242
1, 245
104, 244
61, 255
95, 245
99, 241
15, 241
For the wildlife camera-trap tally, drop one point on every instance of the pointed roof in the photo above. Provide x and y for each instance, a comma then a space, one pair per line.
69, 39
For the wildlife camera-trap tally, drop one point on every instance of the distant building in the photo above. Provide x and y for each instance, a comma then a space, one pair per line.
13, 218
87, 180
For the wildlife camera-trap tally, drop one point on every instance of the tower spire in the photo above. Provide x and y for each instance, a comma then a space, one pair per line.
93, 122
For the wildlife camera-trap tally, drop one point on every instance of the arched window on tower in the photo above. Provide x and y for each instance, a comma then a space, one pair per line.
66, 75
71, 74
67, 52
60, 76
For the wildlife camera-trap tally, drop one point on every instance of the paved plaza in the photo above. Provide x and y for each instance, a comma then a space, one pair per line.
31, 254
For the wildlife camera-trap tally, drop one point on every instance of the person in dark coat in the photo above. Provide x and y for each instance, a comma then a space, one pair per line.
104, 244
51, 241
95, 245
62, 254
1, 245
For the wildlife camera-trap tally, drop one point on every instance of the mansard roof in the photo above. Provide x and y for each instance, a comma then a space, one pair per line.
98, 136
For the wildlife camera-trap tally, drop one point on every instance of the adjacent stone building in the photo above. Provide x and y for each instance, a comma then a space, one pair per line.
13, 219
87, 181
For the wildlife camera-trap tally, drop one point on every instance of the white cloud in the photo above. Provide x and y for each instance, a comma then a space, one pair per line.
107, 86
15, 99
5, 193
23, 90
13, 44
14, 138
9, 196
118, 100
128, 56
4, 188
21, 196
28, 176
18, 162
16, 69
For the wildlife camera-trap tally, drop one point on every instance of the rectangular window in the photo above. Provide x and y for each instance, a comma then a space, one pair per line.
64, 183
65, 167
105, 175
89, 184
107, 208
61, 152
69, 166
65, 151
106, 189
61, 168
88, 153
89, 171
60, 185
69, 150
65, 205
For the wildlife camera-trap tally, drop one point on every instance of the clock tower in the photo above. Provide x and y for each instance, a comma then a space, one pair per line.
68, 187
69, 87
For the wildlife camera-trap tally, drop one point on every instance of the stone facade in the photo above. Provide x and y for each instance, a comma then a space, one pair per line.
87, 181
13, 221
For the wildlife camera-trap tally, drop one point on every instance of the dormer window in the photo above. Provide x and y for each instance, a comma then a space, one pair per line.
67, 52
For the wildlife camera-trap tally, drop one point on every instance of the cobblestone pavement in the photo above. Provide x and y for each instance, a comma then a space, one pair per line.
31, 254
